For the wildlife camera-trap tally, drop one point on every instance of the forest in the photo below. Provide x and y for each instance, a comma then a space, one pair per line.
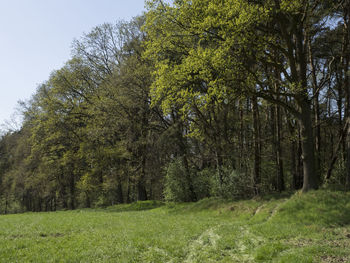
192, 99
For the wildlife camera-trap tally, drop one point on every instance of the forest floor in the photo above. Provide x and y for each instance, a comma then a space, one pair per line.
314, 227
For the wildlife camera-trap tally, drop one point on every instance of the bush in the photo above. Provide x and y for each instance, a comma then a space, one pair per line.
338, 177
202, 183
176, 186
205, 183
234, 184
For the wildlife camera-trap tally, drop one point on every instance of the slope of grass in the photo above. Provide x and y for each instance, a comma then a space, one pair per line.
302, 228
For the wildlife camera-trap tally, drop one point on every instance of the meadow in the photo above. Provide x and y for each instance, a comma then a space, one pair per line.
313, 227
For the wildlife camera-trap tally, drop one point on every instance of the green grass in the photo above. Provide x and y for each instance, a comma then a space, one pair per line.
314, 227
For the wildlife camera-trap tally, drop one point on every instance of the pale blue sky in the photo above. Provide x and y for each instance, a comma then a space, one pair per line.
36, 38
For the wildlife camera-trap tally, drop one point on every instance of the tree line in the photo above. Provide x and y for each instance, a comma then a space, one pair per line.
192, 99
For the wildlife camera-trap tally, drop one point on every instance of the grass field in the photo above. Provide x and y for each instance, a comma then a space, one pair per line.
302, 228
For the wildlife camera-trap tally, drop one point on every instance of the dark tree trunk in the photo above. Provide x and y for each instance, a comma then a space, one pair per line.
346, 84
6, 206
141, 182
120, 198
72, 192
347, 177
334, 155
276, 129
293, 164
307, 145
317, 136
347, 112
257, 140
87, 200
141, 186
128, 192
296, 163
316, 110
192, 194
141, 192
54, 203
241, 136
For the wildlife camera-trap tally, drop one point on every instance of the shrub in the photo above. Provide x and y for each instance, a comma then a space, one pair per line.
202, 183
233, 185
205, 183
176, 186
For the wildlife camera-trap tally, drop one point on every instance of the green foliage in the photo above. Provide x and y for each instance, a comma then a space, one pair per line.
225, 85
337, 181
207, 182
89, 128
202, 183
179, 183
176, 187
232, 185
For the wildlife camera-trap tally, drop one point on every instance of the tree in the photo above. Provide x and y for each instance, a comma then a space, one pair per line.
239, 38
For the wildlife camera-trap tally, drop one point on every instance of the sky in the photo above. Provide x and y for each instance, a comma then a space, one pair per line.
36, 38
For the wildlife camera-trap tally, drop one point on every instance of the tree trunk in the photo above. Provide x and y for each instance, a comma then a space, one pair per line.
347, 178
334, 155
240, 136
345, 61
128, 192
141, 191
54, 203
120, 198
141, 184
307, 144
192, 194
72, 192
257, 153
6, 205
296, 164
299, 75
87, 200
278, 149
316, 110
293, 165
